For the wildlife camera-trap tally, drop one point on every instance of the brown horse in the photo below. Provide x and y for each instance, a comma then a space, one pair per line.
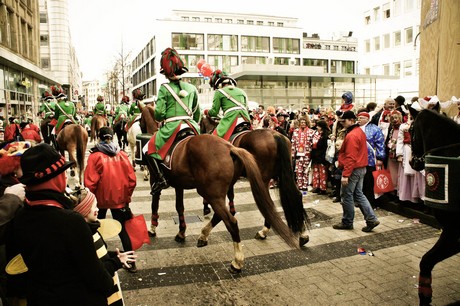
97, 122
272, 151
212, 175
45, 129
73, 138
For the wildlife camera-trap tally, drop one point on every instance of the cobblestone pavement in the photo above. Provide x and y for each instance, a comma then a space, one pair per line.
327, 271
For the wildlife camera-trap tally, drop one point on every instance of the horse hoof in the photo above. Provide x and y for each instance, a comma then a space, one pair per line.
201, 243
179, 239
303, 240
206, 211
152, 234
234, 270
258, 236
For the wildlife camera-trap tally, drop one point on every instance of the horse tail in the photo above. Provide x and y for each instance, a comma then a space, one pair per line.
290, 196
93, 128
262, 196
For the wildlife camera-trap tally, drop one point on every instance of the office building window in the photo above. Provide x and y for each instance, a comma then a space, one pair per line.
260, 23
386, 10
386, 41
367, 45
255, 44
408, 5
397, 69
286, 45
271, 23
44, 40
190, 61
196, 19
343, 67
377, 43
188, 41
218, 20
386, 69
45, 63
228, 20
397, 38
367, 18
408, 68
409, 35
250, 22
240, 21
376, 14
43, 17
280, 24
316, 63
227, 62
185, 18
257, 60
396, 7
207, 19
218, 42
367, 71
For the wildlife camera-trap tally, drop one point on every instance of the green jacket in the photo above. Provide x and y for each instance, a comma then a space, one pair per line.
231, 110
64, 110
99, 108
121, 109
48, 108
167, 108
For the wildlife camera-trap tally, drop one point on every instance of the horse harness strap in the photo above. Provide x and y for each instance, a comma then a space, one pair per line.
64, 113
176, 97
239, 104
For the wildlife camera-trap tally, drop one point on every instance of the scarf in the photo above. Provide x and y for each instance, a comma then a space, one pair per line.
108, 148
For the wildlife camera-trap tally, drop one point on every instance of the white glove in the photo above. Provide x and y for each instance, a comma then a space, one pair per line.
17, 190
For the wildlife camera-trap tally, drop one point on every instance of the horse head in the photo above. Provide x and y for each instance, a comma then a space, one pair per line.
432, 132
148, 123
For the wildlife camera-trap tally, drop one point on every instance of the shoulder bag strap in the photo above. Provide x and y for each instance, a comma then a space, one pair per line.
176, 97
231, 98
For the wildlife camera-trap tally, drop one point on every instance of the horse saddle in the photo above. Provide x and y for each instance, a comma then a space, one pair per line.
241, 127
184, 133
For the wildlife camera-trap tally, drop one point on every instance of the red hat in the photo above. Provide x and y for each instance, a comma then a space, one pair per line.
364, 114
85, 202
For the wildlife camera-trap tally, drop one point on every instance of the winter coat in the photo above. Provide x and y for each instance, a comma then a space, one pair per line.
58, 249
353, 153
110, 176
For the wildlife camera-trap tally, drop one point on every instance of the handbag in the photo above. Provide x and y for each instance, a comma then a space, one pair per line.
382, 181
136, 227
330, 151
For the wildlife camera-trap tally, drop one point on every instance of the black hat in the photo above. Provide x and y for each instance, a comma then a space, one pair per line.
42, 163
400, 100
105, 132
348, 115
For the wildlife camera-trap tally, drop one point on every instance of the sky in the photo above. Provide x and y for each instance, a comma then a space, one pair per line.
103, 30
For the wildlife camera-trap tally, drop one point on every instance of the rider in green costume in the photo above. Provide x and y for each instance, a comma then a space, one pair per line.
233, 102
99, 107
121, 109
134, 111
48, 106
175, 106
65, 110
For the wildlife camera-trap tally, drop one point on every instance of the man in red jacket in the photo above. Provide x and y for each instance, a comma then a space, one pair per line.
110, 176
353, 161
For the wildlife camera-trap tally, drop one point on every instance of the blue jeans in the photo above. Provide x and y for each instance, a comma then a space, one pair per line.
353, 193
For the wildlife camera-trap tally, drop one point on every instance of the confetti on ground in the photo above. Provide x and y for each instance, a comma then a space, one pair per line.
161, 273
361, 251
401, 220
370, 253
416, 221
317, 225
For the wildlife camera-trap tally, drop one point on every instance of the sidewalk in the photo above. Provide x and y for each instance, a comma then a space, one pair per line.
328, 271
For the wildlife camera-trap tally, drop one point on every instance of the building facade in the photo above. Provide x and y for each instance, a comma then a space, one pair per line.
389, 46
273, 59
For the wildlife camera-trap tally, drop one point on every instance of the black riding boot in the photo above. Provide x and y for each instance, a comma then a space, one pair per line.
159, 179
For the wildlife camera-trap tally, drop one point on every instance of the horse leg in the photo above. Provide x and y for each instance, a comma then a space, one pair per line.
222, 213
180, 237
447, 246
206, 209
154, 219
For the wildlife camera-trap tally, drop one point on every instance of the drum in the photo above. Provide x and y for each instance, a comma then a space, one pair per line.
141, 141
442, 178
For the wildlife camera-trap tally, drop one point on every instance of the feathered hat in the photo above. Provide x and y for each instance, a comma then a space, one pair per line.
219, 78
58, 92
100, 98
138, 94
171, 64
